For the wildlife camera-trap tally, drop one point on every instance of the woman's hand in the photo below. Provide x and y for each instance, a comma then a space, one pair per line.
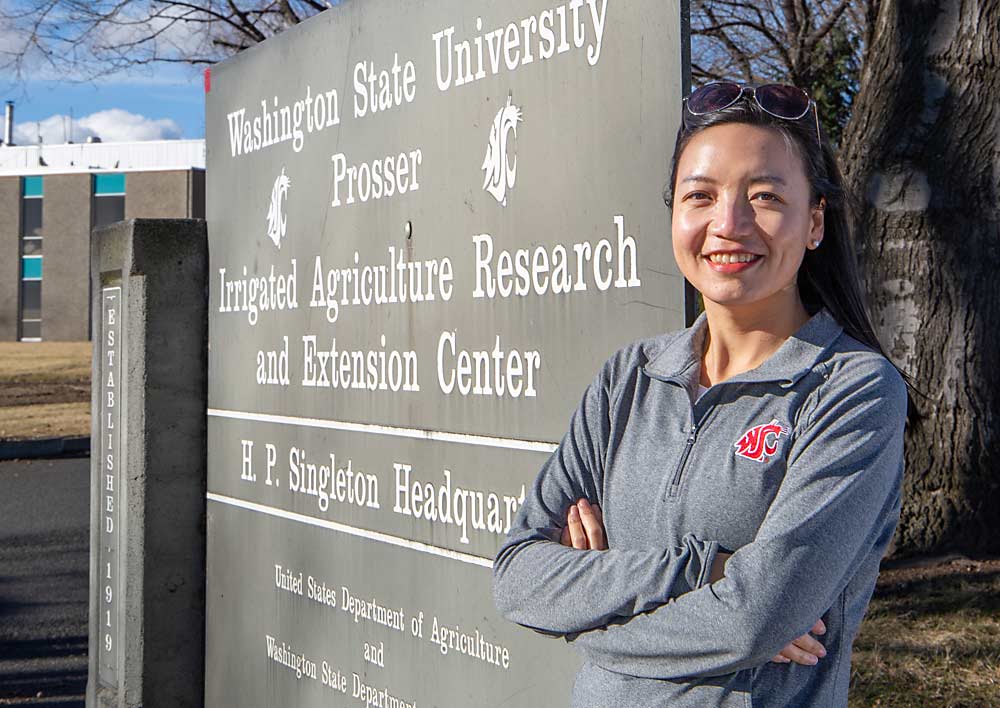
584, 528
718, 571
805, 650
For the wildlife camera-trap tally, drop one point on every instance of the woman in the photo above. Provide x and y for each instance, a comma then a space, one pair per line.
771, 429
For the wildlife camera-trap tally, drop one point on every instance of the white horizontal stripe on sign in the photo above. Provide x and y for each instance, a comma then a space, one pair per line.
351, 530
374, 429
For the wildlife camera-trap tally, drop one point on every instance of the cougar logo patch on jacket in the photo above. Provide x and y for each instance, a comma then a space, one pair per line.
761, 441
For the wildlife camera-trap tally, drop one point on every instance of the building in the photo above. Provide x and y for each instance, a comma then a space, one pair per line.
52, 196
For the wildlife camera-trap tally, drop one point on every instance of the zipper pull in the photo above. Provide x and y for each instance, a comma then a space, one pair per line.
688, 444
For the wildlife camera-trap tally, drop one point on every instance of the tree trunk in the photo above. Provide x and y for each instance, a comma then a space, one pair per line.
922, 151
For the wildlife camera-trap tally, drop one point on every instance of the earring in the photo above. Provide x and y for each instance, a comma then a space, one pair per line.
815, 243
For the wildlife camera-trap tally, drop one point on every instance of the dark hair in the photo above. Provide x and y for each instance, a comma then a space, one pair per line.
829, 276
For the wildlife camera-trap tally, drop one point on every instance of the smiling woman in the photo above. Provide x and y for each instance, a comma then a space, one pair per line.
727, 491
743, 208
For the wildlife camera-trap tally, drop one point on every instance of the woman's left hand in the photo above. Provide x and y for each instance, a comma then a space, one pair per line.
584, 528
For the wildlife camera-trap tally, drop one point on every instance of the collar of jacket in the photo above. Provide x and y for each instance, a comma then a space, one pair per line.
678, 360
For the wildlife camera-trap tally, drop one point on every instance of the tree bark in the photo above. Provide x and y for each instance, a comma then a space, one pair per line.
922, 151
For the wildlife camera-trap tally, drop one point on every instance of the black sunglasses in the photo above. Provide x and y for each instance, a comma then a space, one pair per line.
778, 100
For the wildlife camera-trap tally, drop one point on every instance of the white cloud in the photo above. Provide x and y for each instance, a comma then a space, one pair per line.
113, 125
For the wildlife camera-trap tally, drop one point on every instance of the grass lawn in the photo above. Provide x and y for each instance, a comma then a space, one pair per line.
931, 637
44, 390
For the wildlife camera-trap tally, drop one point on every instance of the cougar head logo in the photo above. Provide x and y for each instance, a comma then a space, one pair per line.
500, 171
761, 441
276, 221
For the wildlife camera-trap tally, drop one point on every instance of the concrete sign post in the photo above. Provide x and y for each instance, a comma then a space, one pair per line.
147, 571
430, 223
109, 462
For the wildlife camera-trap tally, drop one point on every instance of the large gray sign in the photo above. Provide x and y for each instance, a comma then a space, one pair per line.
429, 223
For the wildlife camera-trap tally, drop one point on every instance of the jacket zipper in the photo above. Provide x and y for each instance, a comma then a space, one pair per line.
676, 481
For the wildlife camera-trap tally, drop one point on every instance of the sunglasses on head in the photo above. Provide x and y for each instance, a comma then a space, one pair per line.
778, 100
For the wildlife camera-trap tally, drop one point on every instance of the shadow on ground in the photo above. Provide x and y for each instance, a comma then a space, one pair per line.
931, 637
51, 672
44, 578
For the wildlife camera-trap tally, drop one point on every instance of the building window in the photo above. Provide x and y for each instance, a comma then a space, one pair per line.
109, 198
31, 267
30, 301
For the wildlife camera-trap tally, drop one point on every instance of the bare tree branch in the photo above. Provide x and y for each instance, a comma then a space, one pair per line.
733, 48
87, 39
824, 29
288, 13
819, 45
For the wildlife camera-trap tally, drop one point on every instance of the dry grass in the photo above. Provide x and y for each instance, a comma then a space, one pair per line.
931, 640
45, 420
44, 390
48, 362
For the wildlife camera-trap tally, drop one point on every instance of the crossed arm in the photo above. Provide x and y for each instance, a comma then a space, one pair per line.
656, 612
585, 531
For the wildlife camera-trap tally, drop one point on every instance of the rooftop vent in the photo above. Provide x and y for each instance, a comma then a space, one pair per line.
8, 124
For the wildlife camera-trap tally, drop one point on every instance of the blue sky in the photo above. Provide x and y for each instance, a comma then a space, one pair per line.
183, 102
169, 103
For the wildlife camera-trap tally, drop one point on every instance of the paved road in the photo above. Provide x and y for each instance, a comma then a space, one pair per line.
44, 576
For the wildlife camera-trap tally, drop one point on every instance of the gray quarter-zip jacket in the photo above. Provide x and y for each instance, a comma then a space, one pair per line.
796, 466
